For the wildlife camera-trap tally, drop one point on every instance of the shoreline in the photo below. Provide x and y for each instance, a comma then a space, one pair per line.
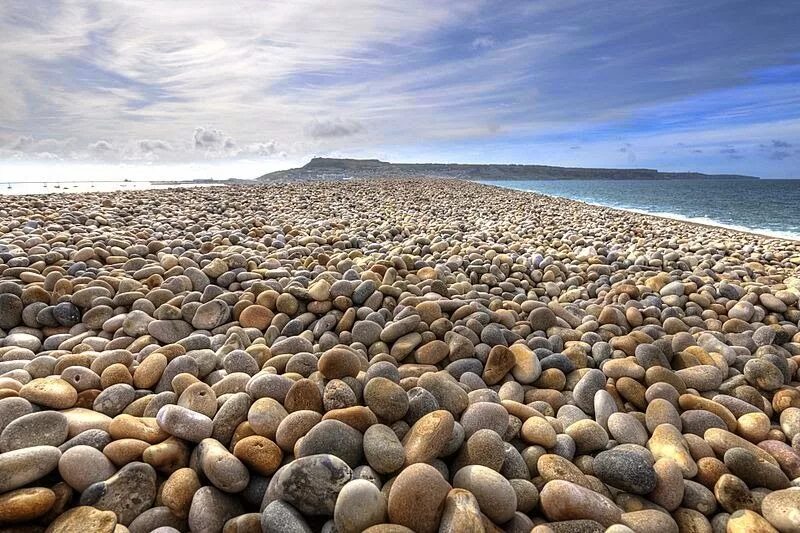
181, 184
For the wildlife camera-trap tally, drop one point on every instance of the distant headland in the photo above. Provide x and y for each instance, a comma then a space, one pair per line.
332, 168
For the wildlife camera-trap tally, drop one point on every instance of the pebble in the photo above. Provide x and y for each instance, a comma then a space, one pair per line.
782, 509
128, 493
562, 500
382, 449
179, 489
626, 470
626, 429
211, 315
82, 519
22, 466
81, 466
338, 363
386, 399
157, 517
212, 508
584, 391
281, 517
496, 497
359, 505
537, 430
51, 392
13, 408
223, 469
746, 465
25, 504
484, 447
184, 423
259, 454
428, 437
207, 365
669, 487
667, 442
416, 499
484, 415
332, 437
311, 484
461, 512
748, 521
45, 428
589, 436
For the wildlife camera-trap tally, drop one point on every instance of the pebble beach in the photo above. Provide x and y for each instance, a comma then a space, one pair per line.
391, 356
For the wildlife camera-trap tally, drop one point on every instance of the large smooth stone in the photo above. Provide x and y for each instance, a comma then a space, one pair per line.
280, 517
625, 470
359, 505
496, 497
45, 428
81, 466
416, 498
562, 500
782, 509
224, 470
52, 392
428, 437
25, 504
184, 423
84, 519
311, 484
335, 438
211, 508
128, 493
20, 467
461, 512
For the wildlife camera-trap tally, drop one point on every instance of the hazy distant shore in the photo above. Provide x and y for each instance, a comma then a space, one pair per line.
322, 167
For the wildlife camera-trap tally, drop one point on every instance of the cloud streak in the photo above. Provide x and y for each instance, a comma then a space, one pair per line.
331, 128
121, 81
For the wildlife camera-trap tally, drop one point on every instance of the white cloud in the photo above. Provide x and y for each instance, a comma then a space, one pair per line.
209, 139
484, 41
101, 150
215, 143
101, 147
262, 149
268, 79
113, 70
336, 127
28, 147
147, 146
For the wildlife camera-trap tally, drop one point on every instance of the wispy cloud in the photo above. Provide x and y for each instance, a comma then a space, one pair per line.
337, 127
209, 139
119, 80
484, 41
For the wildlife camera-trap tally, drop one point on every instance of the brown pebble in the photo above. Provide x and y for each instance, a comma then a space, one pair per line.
259, 454
25, 504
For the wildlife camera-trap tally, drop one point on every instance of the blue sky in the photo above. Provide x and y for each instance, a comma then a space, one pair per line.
240, 88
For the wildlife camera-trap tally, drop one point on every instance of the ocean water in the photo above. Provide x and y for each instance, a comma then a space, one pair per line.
769, 207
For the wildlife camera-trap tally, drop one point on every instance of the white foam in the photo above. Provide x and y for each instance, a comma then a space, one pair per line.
778, 234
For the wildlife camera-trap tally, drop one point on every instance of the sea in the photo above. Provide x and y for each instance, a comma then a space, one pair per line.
765, 206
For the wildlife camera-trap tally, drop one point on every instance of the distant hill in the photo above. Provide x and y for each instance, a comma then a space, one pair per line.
330, 168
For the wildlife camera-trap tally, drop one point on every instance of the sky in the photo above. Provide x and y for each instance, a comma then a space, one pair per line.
145, 89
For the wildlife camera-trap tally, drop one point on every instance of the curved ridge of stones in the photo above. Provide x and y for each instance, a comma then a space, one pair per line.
416, 355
